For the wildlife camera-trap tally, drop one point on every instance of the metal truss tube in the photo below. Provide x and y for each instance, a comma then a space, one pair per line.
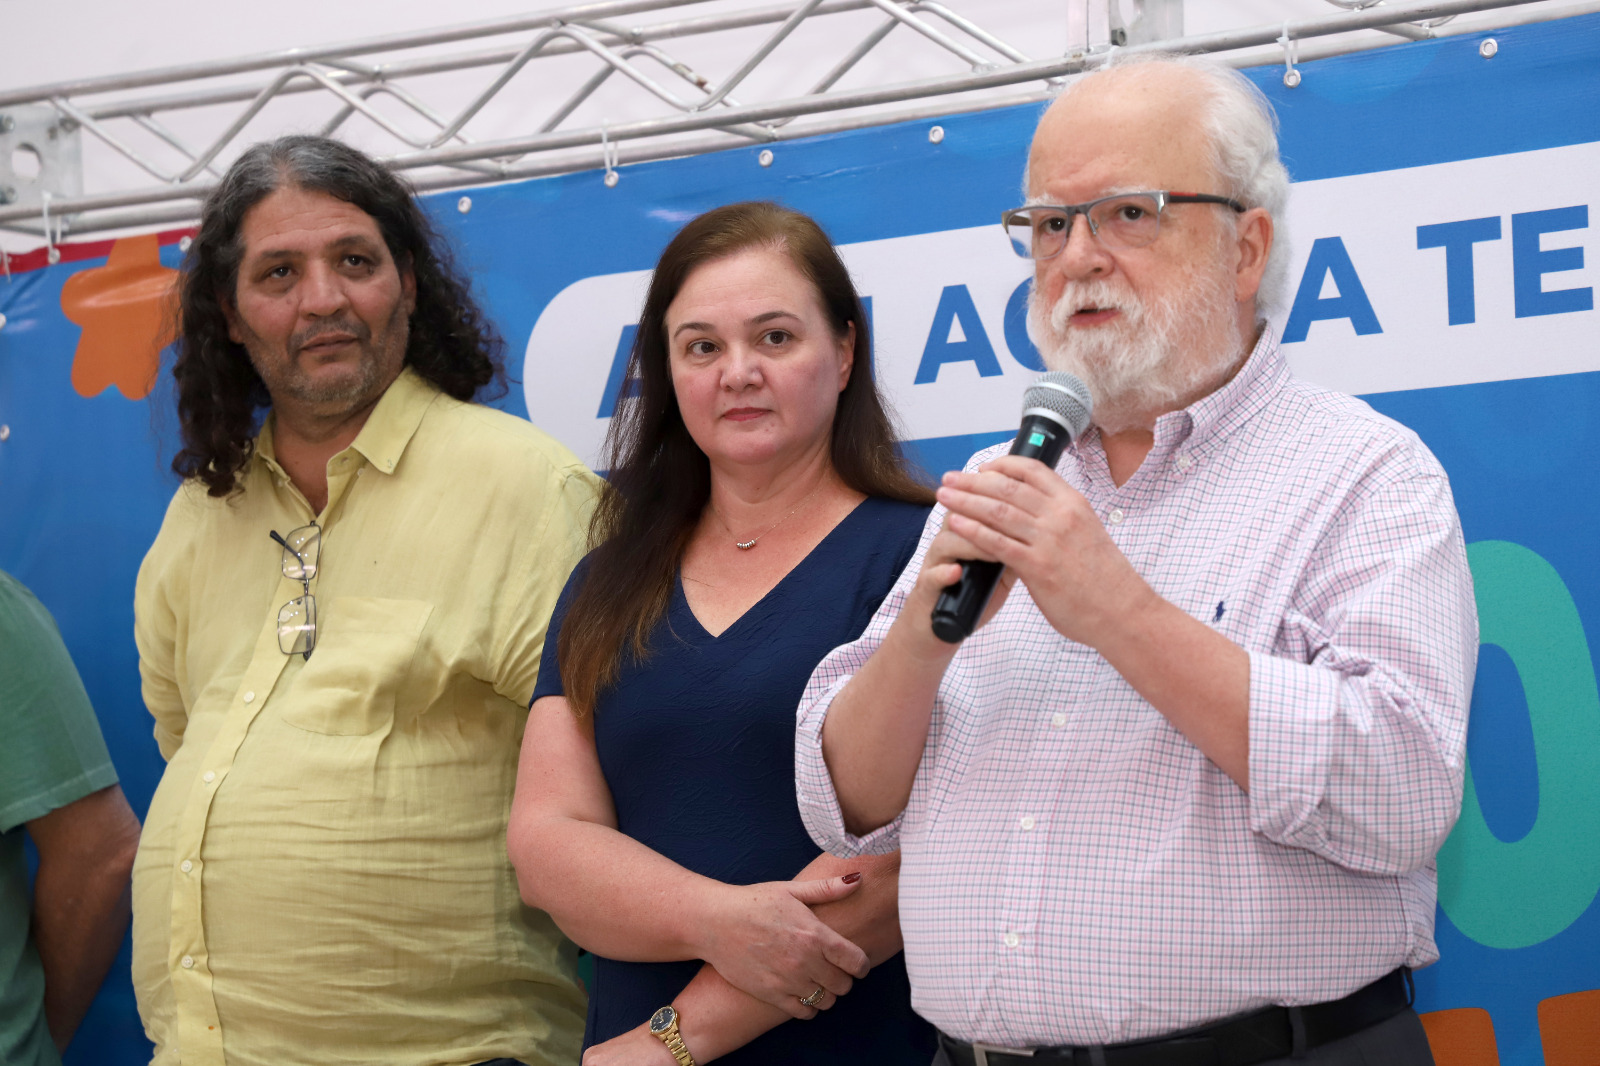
514, 68
677, 66
366, 71
151, 125
797, 16
354, 101
593, 160
64, 107
649, 51
1343, 22
573, 102
971, 29
265, 96
101, 201
407, 68
669, 129
397, 92
1039, 70
900, 14
590, 160
1410, 32
873, 39
857, 54
339, 52
566, 164
619, 63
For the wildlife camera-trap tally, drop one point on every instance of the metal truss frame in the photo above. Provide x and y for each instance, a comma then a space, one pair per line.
438, 150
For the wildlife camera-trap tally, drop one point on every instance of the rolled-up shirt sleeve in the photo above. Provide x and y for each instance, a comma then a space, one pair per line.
1358, 719
819, 800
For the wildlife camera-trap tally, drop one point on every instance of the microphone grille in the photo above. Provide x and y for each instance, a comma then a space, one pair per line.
1064, 396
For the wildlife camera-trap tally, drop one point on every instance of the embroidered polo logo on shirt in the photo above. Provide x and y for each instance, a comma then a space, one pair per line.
1217, 617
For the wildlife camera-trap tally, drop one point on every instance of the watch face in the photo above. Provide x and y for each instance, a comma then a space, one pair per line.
662, 1019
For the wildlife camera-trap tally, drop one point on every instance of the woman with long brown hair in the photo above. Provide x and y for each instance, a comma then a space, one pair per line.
757, 513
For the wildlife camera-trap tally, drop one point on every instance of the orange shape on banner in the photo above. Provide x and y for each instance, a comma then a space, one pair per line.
127, 311
1461, 1037
1569, 1029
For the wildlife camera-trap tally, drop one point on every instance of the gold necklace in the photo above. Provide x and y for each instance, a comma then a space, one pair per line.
746, 545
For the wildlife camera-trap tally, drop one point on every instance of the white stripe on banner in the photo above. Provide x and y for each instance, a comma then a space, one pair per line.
938, 303
1439, 275
1501, 287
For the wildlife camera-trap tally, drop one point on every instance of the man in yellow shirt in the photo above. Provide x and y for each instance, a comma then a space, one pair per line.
339, 630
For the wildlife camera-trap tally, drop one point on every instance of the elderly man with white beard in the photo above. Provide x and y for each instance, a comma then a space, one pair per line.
1177, 801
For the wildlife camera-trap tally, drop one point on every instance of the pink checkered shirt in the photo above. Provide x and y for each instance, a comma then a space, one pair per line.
1075, 870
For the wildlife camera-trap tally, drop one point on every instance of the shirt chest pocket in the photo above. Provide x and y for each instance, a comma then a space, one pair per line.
364, 653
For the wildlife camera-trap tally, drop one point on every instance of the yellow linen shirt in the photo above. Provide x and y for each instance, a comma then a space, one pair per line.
323, 875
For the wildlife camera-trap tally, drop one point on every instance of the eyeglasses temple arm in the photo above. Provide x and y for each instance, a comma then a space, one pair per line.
1175, 197
273, 533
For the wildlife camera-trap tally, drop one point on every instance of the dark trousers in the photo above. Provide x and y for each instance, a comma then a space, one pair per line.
1399, 1041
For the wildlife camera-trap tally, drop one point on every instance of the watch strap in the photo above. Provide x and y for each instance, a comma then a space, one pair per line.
674, 1041
671, 1037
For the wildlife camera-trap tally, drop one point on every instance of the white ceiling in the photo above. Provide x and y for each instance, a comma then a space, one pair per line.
43, 41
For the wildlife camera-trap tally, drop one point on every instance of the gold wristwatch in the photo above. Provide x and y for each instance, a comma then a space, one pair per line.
664, 1024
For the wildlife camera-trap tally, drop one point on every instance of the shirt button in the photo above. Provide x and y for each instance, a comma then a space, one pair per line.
187, 962
209, 776
1058, 720
1011, 940
1115, 517
186, 866
1185, 462
249, 697
1027, 822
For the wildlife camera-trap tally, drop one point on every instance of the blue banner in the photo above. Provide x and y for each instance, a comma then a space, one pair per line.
1443, 267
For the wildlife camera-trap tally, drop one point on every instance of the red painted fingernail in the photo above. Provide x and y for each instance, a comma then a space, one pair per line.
850, 879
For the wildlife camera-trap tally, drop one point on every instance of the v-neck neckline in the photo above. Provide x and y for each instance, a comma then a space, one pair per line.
706, 635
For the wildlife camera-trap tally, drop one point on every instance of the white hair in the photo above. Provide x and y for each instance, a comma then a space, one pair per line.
1242, 131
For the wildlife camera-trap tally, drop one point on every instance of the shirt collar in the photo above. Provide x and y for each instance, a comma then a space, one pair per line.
394, 421
1211, 418
388, 429
265, 450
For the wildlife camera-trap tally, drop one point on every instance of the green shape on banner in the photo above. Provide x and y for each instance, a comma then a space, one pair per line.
1520, 893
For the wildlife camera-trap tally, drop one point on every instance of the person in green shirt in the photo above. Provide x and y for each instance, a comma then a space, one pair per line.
57, 786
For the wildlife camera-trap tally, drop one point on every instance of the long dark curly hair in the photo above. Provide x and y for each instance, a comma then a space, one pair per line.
660, 480
220, 396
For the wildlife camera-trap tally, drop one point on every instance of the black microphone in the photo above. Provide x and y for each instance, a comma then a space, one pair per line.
1054, 412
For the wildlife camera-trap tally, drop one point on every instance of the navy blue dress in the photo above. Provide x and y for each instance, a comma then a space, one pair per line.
697, 746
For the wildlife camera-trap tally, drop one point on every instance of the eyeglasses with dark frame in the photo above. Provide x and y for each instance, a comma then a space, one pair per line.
1126, 220
297, 619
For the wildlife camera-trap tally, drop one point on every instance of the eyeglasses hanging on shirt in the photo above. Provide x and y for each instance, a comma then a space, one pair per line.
297, 619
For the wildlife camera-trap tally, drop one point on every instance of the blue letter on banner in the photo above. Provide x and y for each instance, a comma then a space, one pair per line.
955, 305
1329, 257
619, 367
1016, 324
1529, 264
1457, 239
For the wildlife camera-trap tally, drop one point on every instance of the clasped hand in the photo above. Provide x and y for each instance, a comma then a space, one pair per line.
1019, 512
765, 940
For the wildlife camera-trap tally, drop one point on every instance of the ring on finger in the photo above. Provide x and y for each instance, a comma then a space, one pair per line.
814, 998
